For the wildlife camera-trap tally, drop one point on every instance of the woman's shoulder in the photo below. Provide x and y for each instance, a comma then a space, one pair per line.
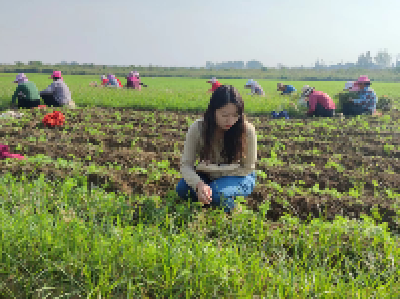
250, 129
197, 124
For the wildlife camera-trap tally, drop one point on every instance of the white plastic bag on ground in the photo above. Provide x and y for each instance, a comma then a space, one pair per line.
11, 114
71, 104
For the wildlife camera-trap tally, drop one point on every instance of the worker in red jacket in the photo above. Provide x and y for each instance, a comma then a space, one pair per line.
104, 80
319, 103
215, 84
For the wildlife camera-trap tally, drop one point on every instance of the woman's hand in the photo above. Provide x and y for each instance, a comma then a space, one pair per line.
204, 192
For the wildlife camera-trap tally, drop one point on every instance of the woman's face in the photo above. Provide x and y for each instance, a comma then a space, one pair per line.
226, 116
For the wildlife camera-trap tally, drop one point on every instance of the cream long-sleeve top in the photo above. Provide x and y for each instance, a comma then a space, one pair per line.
216, 168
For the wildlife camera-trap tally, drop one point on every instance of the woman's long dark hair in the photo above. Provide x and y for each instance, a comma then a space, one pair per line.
235, 137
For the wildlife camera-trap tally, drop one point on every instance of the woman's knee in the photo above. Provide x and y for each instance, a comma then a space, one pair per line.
243, 187
183, 190
181, 187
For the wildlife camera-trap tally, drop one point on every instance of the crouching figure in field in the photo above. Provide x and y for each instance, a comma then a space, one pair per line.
133, 81
57, 94
26, 93
227, 145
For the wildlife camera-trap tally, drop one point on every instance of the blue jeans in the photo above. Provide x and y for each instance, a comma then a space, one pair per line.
225, 188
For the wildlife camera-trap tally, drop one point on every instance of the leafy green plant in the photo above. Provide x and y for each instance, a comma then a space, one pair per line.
332, 164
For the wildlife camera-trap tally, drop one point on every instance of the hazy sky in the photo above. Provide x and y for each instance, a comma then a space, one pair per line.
188, 33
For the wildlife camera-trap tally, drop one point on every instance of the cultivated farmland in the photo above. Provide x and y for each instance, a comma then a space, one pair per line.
100, 192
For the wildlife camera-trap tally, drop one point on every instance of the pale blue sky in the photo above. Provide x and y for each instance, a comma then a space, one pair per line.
188, 33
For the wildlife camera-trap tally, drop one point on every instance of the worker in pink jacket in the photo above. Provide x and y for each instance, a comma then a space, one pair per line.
133, 81
319, 103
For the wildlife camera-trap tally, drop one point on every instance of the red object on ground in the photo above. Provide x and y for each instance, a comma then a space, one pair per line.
120, 84
104, 82
5, 154
54, 119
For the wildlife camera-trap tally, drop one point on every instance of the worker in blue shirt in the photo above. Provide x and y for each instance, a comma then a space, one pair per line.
285, 89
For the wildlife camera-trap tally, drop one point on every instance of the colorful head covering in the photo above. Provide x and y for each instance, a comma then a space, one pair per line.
20, 78
306, 90
56, 74
251, 82
363, 79
351, 86
133, 74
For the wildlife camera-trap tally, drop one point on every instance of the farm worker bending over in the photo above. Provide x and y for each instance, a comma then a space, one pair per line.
214, 84
26, 92
319, 103
285, 89
366, 102
57, 94
255, 87
104, 80
227, 146
112, 81
130, 79
133, 81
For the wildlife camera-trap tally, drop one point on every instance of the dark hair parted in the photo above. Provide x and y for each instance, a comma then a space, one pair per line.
235, 137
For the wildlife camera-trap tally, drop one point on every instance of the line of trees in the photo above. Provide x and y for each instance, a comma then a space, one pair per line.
365, 61
252, 64
283, 73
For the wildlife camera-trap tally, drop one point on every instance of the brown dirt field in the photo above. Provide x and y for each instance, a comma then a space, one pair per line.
161, 137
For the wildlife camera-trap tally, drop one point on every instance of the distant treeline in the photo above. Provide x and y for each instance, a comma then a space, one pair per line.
285, 74
252, 64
